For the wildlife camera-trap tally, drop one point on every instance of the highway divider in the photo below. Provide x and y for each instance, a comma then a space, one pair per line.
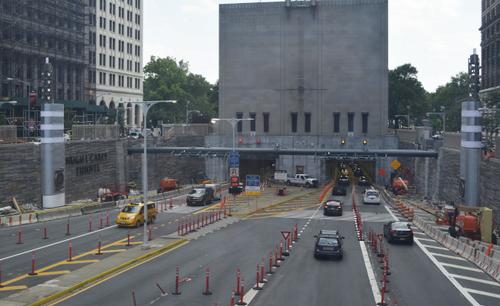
18, 219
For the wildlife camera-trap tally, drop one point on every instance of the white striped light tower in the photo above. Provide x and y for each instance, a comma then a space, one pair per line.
52, 144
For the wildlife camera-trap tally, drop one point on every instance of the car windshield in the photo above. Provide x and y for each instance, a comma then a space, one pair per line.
130, 209
306, 176
400, 225
328, 241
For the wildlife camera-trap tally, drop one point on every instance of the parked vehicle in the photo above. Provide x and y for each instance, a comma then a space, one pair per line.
132, 215
371, 196
333, 208
398, 231
200, 196
363, 181
339, 191
303, 180
167, 184
328, 244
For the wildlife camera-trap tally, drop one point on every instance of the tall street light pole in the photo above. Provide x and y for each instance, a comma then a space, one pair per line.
146, 105
233, 122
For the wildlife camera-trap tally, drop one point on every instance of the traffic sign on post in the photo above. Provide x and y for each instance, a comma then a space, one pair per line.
395, 164
234, 160
285, 234
234, 172
252, 185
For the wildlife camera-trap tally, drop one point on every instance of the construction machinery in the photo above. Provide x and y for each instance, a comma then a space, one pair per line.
399, 186
167, 184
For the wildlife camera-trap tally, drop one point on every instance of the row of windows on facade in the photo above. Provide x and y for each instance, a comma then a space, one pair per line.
121, 80
131, 49
39, 40
111, 26
103, 3
43, 15
63, 73
307, 122
112, 62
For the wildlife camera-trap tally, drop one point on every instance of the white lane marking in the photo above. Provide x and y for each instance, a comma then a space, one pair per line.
56, 243
391, 213
434, 247
474, 291
454, 282
447, 256
477, 280
371, 274
425, 239
420, 233
461, 267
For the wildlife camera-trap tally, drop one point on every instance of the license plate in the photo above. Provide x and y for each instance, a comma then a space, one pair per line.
327, 249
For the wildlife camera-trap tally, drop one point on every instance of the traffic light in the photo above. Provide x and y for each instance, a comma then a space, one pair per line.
365, 142
235, 185
342, 141
47, 94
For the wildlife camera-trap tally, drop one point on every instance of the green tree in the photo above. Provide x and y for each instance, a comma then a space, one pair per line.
448, 98
406, 94
169, 79
491, 118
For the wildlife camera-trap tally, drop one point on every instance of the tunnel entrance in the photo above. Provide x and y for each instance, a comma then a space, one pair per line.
367, 166
253, 166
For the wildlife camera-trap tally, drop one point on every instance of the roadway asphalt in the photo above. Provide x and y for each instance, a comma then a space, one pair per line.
15, 259
301, 280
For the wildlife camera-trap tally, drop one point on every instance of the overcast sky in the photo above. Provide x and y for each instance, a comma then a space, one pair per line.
436, 36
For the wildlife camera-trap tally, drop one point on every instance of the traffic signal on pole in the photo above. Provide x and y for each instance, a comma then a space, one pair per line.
235, 185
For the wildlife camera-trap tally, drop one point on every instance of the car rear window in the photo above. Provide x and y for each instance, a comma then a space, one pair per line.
400, 225
328, 242
372, 193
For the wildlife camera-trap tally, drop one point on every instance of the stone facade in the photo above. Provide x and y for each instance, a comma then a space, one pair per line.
306, 61
20, 173
90, 165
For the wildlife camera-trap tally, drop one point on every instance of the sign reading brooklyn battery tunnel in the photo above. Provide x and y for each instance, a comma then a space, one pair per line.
87, 164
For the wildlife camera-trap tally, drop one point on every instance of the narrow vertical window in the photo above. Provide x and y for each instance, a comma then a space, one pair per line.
307, 122
253, 116
266, 122
365, 123
336, 122
240, 123
350, 122
294, 122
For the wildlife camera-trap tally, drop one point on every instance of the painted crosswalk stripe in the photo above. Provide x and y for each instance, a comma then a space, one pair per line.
477, 280
434, 247
480, 292
460, 267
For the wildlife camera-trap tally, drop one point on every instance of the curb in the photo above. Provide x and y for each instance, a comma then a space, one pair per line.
69, 290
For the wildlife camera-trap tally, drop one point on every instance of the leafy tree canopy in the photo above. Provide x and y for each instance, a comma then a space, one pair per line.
169, 79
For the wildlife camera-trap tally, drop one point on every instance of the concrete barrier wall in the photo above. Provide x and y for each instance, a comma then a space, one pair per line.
8, 134
409, 136
452, 140
98, 131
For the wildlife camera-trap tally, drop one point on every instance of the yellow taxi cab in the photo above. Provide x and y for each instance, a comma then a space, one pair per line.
133, 214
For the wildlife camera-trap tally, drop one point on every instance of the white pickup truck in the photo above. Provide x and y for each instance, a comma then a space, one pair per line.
302, 180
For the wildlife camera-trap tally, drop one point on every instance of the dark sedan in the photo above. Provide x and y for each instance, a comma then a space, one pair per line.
363, 181
396, 231
339, 191
343, 180
328, 247
332, 208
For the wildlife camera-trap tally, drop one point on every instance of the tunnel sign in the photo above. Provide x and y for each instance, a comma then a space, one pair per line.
395, 164
234, 160
252, 186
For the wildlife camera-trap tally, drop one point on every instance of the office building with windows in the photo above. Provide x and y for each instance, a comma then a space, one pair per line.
310, 74
117, 56
490, 45
31, 31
